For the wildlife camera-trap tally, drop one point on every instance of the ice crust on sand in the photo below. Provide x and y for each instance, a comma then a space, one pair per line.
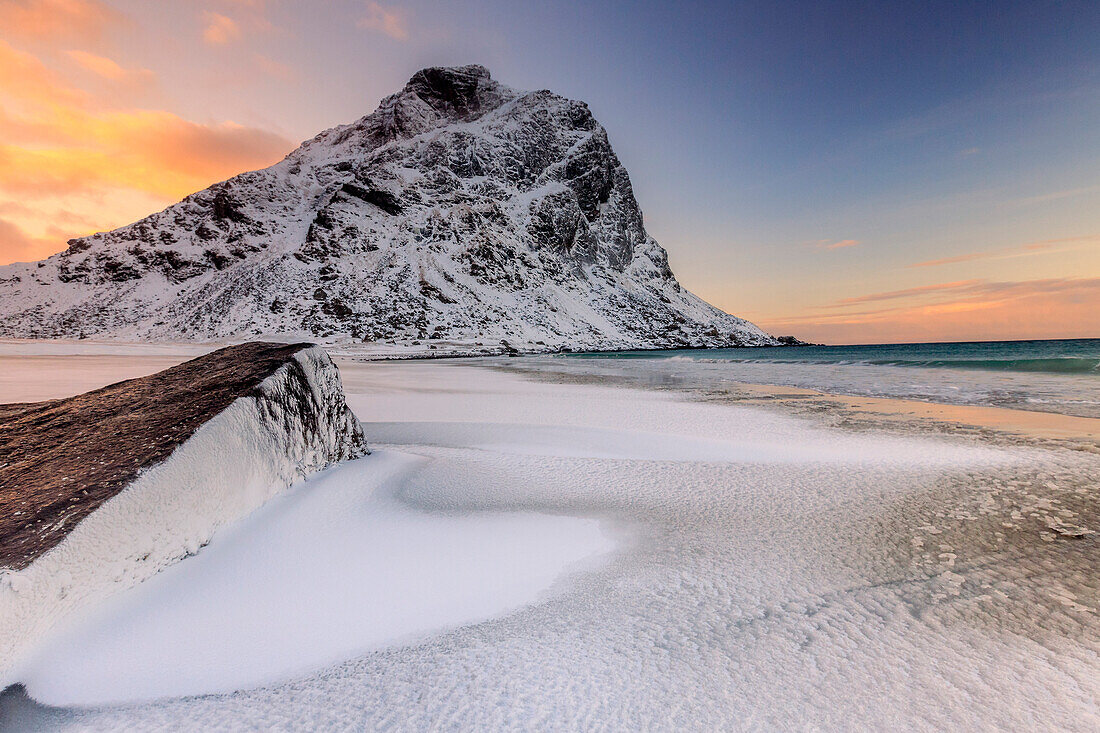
243, 456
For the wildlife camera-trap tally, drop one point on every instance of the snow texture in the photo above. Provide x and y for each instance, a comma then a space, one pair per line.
336, 568
240, 458
461, 215
769, 573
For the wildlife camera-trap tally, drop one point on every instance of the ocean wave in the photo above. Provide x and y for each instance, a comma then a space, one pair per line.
1054, 365
701, 360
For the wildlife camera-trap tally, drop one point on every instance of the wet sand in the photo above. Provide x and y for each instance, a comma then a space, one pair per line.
1045, 425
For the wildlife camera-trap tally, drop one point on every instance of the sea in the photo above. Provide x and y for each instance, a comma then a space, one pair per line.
1060, 376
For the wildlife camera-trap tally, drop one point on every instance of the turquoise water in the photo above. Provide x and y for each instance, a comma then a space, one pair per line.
1070, 356
1048, 376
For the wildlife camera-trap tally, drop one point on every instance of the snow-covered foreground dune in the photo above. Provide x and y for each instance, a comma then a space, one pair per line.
335, 569
104, 490
739, 570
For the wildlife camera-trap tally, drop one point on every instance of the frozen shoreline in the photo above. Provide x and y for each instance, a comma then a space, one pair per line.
773, 572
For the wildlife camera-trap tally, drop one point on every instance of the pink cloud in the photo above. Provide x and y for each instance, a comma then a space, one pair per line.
391, 21
275, 69
219, 29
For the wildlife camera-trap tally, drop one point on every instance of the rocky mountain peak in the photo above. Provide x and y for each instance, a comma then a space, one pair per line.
459, 212
461, 91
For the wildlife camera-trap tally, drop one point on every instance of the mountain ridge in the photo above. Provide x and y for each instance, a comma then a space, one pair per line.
461, 213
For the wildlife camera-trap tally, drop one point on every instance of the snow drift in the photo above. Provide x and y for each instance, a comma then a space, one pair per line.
337, 567
461, 214
286, 419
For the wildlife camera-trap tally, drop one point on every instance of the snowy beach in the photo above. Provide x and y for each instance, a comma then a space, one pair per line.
568, 549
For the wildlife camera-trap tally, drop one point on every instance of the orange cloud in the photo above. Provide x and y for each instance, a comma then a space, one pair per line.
965, 311
391, 21
69, 219
62, 150
219, 29
55, 140
55, 19
108, 69
151, 151
17, 246
24, 80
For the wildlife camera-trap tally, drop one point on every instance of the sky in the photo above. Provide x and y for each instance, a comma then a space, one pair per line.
845, 172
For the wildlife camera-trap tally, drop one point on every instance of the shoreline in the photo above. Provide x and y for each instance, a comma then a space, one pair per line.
52, 376
860, 413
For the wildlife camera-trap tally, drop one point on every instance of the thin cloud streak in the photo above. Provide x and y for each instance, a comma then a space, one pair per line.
1045, 246
970, 257
906, 293
830, 244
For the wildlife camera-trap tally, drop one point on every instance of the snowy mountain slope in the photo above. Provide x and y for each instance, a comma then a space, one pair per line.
460, 212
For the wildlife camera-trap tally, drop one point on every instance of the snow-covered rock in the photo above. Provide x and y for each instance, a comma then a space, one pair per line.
108, 495
460, 212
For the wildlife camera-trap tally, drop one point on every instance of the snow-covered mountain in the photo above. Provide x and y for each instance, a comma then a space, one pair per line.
459, 213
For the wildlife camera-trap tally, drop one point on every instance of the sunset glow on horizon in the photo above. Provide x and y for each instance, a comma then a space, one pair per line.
840, 176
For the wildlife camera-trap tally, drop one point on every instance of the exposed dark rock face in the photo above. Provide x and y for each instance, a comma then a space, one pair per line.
461, 92
61, 460
460, 208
